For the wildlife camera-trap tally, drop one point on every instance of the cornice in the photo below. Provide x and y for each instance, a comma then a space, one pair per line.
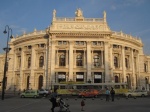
85, 34
29, 38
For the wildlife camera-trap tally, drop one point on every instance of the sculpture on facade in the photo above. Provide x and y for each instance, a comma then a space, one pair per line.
79, 13
54, 13
104, 15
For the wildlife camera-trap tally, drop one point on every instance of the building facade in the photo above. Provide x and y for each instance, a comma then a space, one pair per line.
75, 49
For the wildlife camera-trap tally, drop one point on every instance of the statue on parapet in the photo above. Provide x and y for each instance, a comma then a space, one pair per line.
79, 13
54, 13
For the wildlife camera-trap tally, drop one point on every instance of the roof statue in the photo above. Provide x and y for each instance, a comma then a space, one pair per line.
79, 13
104, 14
54, 13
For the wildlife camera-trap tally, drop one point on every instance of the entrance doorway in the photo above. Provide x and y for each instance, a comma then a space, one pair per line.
40, 82
28, 78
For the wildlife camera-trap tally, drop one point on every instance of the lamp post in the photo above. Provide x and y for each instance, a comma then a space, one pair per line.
7, 49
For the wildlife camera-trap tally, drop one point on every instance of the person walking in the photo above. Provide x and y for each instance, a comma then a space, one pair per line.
53, 99
107, 94
112, 92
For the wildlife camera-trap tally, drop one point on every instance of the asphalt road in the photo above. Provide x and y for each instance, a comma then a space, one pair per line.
16, 104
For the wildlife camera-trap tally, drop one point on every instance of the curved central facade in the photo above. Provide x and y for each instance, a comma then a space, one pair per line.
76, 49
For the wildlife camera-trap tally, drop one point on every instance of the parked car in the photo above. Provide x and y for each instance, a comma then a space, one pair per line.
136, 93
30, 94
44, 92
89, 93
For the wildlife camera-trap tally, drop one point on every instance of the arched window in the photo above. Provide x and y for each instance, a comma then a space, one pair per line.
79, 60
145, 67
116, 62
116, 79
19, 61
96, 60
126, 62
40, 84
128, 81
28, 78
41, 61
29, 62
62, 60
146, 80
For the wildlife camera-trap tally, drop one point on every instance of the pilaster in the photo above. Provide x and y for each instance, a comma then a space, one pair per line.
32, 80
71, 60
111, 64
107, 76
133, 70
53, 55
123, 65
89, 62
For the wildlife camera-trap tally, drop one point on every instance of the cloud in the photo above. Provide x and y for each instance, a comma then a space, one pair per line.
126, 3
142, 32
113, 7
17, 30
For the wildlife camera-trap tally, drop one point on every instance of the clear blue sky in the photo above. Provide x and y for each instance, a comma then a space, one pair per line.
130, 16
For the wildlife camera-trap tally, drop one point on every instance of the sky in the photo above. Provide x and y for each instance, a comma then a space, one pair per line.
129, 16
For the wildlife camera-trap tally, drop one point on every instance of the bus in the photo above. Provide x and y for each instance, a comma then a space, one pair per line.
76, 88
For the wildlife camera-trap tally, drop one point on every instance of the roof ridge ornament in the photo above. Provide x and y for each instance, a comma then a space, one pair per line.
79, 13
54, 14
104, 16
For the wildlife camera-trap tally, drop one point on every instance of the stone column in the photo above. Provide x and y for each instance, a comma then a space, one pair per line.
92, 63
89, 62
123, 65
53, 62
111, 64
67, 58
84, 59
57, 59
74, 58
70, 60
107, 75
22, 85
46, 65
32, 81
15, 68
102, 54
133, 70
148, 66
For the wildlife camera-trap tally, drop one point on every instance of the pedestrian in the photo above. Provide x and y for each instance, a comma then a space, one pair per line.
53, 99
82, 105
112, 92
107, 94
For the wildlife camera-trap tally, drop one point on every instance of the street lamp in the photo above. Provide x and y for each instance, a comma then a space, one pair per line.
7, 49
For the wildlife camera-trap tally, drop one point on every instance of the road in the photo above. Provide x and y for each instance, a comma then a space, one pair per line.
16, 104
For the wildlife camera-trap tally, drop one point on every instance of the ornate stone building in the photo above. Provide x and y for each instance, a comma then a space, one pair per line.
75, 49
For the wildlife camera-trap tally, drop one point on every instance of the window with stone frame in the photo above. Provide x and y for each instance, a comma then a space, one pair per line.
145, 67
61, 76
95, 43
41, 61
116, 79
80, 43
79, 76
19, 61
127, 62
79, 60
146, 80
29, 47
135, 66
62, 60
62, 42
116, 62
96, 60
29, 62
